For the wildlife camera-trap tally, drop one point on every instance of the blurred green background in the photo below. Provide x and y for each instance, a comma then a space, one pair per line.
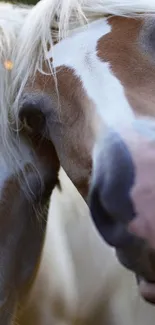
23, 1
33, 2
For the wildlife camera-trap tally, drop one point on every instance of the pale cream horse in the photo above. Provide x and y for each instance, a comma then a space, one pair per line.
80, 280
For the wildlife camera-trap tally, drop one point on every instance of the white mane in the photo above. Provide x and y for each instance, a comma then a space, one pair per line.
52, 20
11, 21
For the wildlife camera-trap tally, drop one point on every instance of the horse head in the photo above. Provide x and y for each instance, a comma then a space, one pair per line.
86, 90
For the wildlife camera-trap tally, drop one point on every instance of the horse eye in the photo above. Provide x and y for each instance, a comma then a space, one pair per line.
32, 118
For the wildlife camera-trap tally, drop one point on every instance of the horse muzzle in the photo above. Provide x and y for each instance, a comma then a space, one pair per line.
112, 210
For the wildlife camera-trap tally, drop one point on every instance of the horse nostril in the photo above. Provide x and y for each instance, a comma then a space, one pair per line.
110, 228
100, 216
32, 118
113, 178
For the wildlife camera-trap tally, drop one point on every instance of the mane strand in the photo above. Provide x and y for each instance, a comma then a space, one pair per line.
11, 21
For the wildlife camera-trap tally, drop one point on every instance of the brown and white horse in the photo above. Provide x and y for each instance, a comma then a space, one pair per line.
89, 91
83, 103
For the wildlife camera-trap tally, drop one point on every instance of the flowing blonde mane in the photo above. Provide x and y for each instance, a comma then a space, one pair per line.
11, 21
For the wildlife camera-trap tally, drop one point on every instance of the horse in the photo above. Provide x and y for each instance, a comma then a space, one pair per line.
74, 286
26, 183
83, 79
29, 162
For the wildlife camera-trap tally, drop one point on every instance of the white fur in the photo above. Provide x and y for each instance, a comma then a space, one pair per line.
102, 87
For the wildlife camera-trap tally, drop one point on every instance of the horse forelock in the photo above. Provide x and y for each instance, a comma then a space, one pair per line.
11, 20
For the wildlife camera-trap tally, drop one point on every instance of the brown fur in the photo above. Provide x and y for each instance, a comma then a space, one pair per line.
122, 48
73, 109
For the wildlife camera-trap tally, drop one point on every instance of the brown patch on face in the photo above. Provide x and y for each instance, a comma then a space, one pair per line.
71, 124
129, 63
